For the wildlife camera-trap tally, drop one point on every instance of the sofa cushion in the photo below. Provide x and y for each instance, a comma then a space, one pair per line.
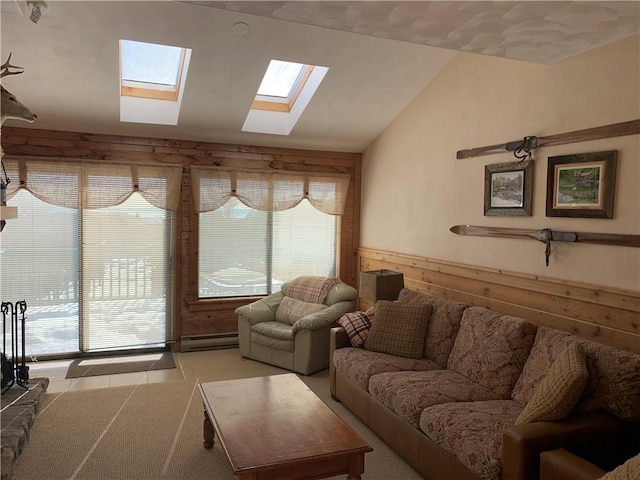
548, 344
443, 324
408, 393
359, 365
560, 390
491, 349
310, 289
614, 381
398, 329
472, 431
357, 325
291, 310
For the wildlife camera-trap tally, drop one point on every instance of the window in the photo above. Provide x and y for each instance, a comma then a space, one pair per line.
152, 79
244, 251
150, 70
284, 93
281, 85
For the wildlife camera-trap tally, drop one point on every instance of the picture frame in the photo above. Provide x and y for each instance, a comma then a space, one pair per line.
582, 185
508, 189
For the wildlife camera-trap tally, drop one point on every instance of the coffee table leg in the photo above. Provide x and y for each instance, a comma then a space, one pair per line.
356, 467
208, 431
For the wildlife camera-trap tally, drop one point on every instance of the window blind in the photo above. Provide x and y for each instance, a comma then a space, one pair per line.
244, 251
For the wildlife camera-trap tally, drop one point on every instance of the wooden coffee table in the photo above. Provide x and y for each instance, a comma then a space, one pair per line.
275, 427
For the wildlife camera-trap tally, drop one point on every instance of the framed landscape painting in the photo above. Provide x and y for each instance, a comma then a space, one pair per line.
581, 185
508, 189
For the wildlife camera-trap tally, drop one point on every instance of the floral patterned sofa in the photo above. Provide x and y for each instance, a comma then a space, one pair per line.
463, 392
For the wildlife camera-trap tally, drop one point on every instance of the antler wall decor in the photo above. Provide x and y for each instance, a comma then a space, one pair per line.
11, 106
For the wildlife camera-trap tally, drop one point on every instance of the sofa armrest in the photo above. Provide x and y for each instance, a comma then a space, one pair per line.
564, 464
523, 444
338, 338
323, 318
263, 310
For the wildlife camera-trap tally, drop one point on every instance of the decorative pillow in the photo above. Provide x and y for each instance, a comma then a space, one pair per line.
627, 471
548, 344
443, 326
398, 329
291, 310
560, 390
357, 325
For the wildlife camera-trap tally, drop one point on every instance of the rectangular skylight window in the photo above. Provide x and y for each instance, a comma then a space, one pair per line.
149, 70
284, 93
281, 85
281, 79
150, 63
152, 79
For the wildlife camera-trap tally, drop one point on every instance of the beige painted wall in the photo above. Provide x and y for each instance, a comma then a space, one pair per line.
414, 189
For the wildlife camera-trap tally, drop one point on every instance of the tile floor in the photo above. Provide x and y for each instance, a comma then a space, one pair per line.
56, 370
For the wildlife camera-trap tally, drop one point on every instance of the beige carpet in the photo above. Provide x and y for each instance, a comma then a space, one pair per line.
154, 431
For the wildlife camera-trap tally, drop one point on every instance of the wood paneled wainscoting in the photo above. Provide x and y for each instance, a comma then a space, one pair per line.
195, 316
606, 315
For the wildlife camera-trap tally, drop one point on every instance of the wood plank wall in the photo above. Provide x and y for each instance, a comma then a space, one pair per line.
195, 316
606, 315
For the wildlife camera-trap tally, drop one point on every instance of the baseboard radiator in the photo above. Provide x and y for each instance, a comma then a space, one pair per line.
208, 342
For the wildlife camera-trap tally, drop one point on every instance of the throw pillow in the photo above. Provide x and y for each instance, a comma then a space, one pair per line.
357, 325
627, 471
398, 328
560, 390
291, 310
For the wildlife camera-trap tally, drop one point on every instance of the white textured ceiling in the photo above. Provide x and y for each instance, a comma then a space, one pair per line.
380, 56
542, 32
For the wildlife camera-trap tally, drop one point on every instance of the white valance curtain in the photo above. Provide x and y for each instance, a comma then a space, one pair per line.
91, 184
267, 190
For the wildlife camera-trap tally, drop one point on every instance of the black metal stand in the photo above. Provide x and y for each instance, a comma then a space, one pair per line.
17, 370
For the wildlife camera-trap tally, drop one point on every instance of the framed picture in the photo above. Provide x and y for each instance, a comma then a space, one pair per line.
508, 189
581, 185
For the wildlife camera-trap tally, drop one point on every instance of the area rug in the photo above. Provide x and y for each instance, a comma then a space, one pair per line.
89, 367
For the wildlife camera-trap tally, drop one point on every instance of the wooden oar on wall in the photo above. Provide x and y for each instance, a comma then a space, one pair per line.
547, 236
607, 131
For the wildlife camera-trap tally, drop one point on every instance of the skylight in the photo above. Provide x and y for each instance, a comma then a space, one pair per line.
150, 63
282, 96
281, 85
280, 79
150, 70
152, 78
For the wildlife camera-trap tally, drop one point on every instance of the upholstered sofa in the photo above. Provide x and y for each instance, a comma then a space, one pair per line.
463, 392
290, 328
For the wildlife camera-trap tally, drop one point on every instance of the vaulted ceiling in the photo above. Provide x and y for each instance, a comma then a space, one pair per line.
380, 56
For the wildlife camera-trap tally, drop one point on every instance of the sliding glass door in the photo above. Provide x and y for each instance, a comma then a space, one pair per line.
125, 268
93, 279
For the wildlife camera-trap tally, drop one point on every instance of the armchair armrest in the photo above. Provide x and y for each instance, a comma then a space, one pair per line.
263, 310
564, 464
323, 318
523, 444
